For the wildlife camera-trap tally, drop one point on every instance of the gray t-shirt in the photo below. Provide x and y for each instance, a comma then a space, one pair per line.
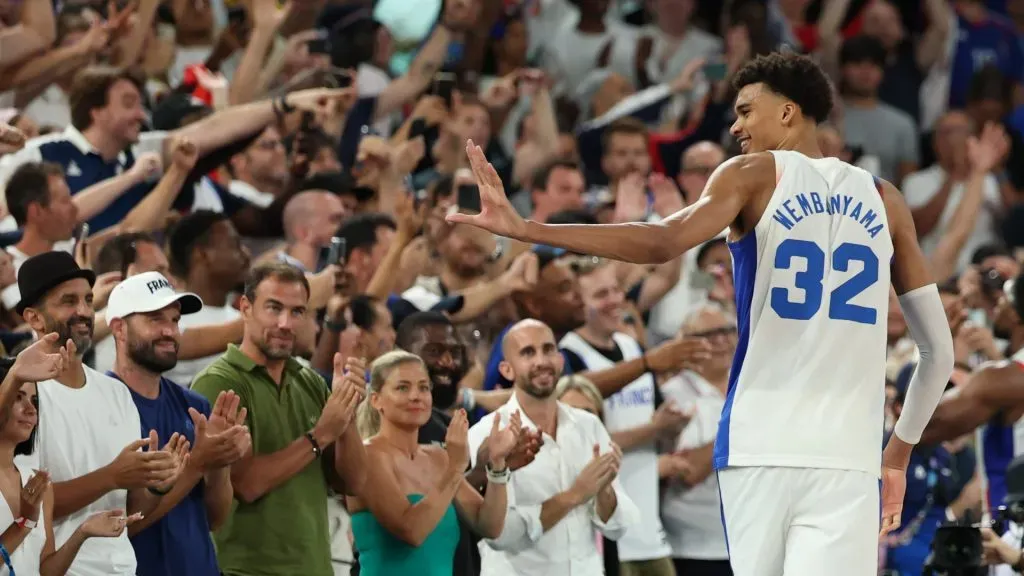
882, 131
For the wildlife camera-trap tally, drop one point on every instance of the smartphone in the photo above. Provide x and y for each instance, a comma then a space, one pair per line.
468, 198
417, 128
714, 70
336, 254
236, 14
321, 44
444, 86
81, 233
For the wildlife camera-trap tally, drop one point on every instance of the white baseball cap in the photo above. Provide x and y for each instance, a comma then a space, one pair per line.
148, 292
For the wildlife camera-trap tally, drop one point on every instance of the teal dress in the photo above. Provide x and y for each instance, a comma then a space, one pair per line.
382, 554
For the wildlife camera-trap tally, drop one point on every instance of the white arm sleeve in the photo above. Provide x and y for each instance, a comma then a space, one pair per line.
926, 319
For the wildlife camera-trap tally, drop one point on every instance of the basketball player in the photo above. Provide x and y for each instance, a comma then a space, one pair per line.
812, 239
991, 401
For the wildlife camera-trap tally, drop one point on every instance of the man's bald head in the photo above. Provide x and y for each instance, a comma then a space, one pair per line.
306, 208
532, 359
704, 154
524, 330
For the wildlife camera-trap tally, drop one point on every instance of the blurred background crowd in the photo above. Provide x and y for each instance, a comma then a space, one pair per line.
207, 146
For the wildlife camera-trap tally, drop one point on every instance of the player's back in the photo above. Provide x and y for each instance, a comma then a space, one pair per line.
812, 292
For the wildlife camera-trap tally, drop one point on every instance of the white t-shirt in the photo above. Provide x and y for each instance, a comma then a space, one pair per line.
51, 108
692, 515
82, 430
920, 187
186, 370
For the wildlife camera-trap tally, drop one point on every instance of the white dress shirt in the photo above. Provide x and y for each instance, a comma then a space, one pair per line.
569, 547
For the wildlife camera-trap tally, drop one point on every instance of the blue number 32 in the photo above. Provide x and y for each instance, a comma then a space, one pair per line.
809, 281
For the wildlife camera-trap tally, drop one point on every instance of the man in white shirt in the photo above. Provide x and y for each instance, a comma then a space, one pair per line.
570, 491
89, 438
690, 504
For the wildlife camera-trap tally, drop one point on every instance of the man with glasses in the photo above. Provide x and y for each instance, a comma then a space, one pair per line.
690, 504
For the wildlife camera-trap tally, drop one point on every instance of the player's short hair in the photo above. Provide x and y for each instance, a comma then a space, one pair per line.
791, 76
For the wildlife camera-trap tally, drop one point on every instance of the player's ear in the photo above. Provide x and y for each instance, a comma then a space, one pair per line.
788, 113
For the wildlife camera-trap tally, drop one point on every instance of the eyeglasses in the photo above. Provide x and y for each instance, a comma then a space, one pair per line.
722, 331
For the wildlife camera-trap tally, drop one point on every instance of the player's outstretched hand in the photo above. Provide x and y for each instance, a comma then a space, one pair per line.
894, 486
496, 213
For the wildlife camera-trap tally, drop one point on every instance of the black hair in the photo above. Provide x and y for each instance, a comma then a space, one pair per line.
360, 231
791, 76
986, 251
30, 184
862, 48
191, 231
407, 330
26, 447
572, 217
119, 252
364, 315
702, 252
337, 183
990, 83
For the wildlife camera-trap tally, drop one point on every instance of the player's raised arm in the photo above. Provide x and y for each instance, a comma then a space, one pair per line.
926, 320
989, 391
725, 195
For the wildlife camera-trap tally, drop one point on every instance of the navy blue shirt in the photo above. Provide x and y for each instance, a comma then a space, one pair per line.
179, 543
84, 167
991, 41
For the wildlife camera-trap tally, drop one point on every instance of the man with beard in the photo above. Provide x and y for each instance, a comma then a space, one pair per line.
88, 433
557, 503
174, 538
302, 440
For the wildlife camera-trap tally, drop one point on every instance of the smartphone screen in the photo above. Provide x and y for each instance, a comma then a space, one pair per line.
336, 253
468, 198
444, 85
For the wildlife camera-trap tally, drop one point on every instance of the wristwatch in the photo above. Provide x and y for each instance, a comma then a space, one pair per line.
26, 522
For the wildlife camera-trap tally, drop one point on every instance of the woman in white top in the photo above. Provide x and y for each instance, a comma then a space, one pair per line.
26, 515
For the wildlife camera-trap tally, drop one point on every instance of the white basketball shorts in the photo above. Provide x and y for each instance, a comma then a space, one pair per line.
800, 521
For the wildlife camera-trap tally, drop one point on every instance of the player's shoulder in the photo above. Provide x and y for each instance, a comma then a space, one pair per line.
754, 171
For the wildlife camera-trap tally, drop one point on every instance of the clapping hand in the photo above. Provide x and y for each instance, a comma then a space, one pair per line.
670, 420
222, 439
107, 524
526, 448
347, 389
32, 494
43, 360
136, 469
598, 473
456, 443
178, 449
502, 442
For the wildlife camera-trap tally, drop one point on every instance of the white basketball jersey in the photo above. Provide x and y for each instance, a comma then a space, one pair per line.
807, 386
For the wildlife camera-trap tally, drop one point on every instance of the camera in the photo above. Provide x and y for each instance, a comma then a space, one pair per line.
956, 551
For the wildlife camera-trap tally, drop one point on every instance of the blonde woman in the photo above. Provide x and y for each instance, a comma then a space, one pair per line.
405, 520
579, 392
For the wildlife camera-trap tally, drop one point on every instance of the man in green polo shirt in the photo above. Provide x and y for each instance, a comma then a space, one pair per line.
279, 522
